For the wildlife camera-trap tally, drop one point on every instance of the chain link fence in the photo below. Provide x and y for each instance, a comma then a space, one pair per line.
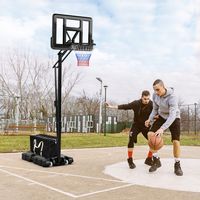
116, 122
190, 118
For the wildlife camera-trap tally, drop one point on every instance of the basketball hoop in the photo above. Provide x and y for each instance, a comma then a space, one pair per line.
73, 33
83, 58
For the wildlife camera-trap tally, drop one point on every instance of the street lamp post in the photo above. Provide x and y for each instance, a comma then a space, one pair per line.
17, 113
105, 87
195, 118
100, 106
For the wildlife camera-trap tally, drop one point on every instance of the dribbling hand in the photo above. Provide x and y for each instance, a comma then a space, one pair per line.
159, 132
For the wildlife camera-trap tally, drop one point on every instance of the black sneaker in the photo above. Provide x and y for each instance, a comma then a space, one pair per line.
177, 169
131, 163
148, 161
156, 164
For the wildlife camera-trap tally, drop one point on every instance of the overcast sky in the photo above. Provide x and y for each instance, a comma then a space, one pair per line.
137, 41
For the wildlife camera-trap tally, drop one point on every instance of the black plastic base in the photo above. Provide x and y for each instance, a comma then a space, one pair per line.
44, 162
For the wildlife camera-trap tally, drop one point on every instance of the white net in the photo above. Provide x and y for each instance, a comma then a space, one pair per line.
83, 58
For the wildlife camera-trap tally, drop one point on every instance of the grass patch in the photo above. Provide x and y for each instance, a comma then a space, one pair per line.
14, 143
17, 143
93, 140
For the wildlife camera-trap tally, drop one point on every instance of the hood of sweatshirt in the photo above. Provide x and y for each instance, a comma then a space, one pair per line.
170, 91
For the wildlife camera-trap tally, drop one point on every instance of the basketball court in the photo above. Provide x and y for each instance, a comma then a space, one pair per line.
98, 173
101, 173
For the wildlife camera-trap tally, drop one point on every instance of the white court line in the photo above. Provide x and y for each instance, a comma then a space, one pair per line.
40, 184
63, 174
105, 190
60, 191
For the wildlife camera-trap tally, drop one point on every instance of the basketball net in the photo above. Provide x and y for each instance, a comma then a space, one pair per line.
83, 58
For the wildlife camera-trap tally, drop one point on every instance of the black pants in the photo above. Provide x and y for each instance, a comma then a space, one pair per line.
174, 127
136, 128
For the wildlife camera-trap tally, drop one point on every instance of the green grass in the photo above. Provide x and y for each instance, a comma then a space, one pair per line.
93, 140
16, 143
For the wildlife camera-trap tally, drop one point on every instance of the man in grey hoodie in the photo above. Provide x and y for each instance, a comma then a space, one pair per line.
166, 106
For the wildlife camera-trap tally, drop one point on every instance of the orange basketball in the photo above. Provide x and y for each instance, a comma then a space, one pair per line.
155, 142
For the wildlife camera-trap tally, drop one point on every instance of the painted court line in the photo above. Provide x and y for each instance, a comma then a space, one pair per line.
61, 191
105, 190
40, 184
63, 174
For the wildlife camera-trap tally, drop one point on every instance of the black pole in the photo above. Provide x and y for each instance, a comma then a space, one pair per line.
105, 116
188, 119
58, 97
58, 106
195, 118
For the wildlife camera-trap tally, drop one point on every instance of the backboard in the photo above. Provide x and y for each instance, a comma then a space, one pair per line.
71, 33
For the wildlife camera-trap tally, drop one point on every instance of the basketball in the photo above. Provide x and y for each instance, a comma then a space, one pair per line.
155, 142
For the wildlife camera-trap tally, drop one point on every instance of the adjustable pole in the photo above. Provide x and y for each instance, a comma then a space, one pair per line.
58, 106
58, 97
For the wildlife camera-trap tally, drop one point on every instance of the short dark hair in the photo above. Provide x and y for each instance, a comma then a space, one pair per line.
145, 93
158, 81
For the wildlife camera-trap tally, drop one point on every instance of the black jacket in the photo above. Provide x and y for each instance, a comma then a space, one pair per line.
141, 111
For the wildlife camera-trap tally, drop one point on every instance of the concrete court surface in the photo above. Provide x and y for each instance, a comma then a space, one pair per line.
95, 175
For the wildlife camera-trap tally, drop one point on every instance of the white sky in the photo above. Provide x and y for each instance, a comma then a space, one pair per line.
137, 41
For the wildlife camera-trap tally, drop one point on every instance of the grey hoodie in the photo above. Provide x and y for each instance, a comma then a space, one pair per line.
165, 106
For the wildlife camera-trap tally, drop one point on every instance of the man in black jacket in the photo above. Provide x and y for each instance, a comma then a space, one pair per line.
142, 109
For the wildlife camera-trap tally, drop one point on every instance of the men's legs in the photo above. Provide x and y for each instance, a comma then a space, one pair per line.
176, 149
148, 160
175, 132
132, 139
156, 160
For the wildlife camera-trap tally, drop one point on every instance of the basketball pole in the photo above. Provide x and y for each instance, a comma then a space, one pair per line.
58, 97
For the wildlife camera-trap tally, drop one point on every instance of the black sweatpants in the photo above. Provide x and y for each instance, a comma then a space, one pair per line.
136, 128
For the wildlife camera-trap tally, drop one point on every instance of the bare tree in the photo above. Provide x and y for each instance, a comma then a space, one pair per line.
69, 80
87, 105
33, 81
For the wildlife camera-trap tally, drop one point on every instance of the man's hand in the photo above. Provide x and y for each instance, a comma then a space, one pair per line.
109, 106
156, 117
147, 123
159, 132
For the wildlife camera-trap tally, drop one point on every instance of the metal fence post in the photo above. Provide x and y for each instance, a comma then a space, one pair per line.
188, 119
195, 118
